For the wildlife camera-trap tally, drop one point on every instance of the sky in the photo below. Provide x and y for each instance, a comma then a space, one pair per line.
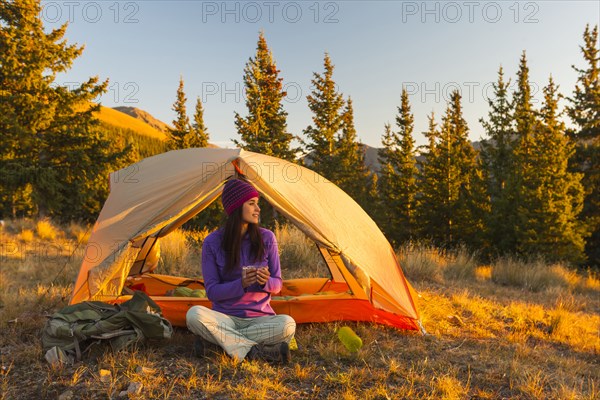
378, 47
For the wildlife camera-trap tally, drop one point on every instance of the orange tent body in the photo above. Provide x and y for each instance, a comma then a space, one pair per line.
155, 196
306, 300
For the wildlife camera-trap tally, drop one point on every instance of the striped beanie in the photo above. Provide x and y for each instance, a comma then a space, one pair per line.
235, 193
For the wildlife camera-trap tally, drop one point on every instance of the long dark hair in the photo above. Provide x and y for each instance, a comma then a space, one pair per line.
232, 240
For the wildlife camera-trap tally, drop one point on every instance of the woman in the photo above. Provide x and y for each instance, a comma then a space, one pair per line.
240, 267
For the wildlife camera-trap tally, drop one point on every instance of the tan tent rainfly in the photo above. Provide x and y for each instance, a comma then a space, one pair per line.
155, 196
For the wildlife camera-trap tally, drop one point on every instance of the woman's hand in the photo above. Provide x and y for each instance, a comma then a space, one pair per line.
262, 275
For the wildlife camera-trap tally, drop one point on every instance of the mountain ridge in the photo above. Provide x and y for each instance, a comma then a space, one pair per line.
144, 116
122, 120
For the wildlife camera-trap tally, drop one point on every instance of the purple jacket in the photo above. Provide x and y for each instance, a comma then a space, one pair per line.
225, 291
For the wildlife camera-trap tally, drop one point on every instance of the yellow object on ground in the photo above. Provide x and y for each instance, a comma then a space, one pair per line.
351, 340
293, 344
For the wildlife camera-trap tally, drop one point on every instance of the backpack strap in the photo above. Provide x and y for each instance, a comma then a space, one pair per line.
75, 342
110, 335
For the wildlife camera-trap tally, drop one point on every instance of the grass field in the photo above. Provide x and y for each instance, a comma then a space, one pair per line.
512, 329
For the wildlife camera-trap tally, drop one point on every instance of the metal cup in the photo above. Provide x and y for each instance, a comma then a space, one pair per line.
245, 271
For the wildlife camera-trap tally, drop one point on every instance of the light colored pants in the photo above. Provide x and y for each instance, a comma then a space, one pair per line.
237, 335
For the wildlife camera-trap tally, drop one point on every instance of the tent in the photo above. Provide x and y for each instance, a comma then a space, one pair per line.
155, 196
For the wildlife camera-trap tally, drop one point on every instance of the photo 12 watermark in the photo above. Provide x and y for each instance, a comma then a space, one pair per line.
471, 92
452, 12
116, 92
267, 171
127, 175
235, 92
59, 252
255, 12
40, 252
91, 12
224, 92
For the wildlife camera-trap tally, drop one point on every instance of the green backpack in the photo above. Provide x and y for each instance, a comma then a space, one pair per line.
122, 325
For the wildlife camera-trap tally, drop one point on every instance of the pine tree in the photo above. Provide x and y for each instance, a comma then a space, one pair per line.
453, 206
551, 196
431, 196
398, 175
352, 174
53, 157
388, 187
199, 131
211, 217
464, 177
407, 170
584, 111
333, 147
327, 106
375, 208
180, 134
264, 130
525, 123
524, 114
497, 159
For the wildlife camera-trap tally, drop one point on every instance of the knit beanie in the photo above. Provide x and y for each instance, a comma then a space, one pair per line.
235, 193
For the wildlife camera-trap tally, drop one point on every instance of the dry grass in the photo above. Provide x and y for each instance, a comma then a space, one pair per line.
300, 257
14, 226
46, 230
174, 250
537, 275
27, 235
483, 272
180, 253
489, 338
591, 282
79, 233
460, 265
423, 262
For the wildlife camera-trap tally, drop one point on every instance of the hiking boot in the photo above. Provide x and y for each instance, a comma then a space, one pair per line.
199, 347
286, 356
278, 353
254, 353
